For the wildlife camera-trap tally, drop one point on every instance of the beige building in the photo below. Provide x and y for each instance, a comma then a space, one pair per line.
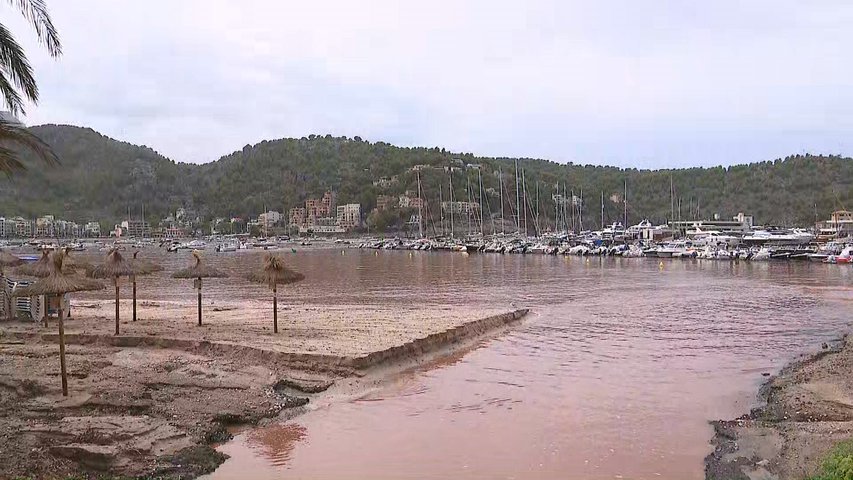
349, 216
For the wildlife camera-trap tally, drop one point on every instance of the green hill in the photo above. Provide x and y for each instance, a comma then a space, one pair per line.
101, 177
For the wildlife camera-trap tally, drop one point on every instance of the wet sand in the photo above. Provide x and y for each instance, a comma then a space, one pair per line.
808, 410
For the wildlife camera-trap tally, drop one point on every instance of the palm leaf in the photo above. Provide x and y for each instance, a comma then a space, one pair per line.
14, 64
12, 134
36, 12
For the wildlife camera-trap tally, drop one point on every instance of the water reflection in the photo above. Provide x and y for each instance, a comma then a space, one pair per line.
275, 442
615, 375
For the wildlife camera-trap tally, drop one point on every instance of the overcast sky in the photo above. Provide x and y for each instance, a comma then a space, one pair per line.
629, 83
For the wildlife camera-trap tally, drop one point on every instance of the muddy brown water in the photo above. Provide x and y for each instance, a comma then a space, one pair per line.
615, 374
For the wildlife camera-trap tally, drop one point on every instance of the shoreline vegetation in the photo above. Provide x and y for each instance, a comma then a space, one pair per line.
803, 430
153, 403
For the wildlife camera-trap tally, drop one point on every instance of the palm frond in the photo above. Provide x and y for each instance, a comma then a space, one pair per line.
9, 162
12, 134
10, 95
36, 12
14, 64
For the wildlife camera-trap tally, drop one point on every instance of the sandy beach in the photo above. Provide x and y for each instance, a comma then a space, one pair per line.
153, 400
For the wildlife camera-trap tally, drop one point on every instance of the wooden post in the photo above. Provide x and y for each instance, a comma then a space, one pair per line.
117, 299
45, 305
133, 278
62, 353
274, 309
199, 301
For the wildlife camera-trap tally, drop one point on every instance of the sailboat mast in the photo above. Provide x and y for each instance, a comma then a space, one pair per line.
537, 208
517, 200
625, 201
602, 209
451, 201
671, 200
482, 227
441, 209
556, 208
501, 181
572, 210
468, 192
580, 213
524, 193
420, 208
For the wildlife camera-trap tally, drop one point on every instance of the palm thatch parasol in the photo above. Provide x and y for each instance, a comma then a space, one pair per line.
58, 282
39, 269
199, 271
74, 264
274, 273
7, 260
114, 267
141, 267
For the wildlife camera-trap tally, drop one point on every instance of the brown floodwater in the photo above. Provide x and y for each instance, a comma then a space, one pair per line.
615, 374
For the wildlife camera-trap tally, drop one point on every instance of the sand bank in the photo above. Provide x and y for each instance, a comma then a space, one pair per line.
152, 400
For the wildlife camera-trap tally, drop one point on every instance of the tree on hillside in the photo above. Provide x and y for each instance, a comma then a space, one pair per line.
17, 84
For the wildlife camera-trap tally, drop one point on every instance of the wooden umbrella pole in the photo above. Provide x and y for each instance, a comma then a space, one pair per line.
199, 301
134, 297
62, 353
45, 310
274, 310
117, 299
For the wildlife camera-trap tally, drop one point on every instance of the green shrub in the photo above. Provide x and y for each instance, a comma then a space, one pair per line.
838, 464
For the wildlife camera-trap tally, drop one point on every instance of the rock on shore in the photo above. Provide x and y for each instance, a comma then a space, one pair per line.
809, 409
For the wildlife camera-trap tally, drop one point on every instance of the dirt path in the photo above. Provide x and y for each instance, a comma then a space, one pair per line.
809, 409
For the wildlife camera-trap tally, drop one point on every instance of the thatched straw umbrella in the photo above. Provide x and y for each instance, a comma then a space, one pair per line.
59, 283
199, 271
274, 273
141, 267
114, 267
7, 260
39, 269
74, 264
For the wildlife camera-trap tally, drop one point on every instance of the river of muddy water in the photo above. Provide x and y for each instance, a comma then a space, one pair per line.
615, 373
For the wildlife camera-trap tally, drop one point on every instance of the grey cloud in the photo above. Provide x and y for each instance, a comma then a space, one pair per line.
645, 84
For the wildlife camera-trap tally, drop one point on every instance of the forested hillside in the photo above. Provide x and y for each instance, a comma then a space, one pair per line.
100, 177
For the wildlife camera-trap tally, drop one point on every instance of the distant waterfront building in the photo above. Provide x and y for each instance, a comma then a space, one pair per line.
410, 201
349, 216
385, 202
839, 225
44, 226
322, 225
92, 229
738, 224
463, 208
269, 219
383, 182
320, 211
23, 227
296, 217
136, 228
